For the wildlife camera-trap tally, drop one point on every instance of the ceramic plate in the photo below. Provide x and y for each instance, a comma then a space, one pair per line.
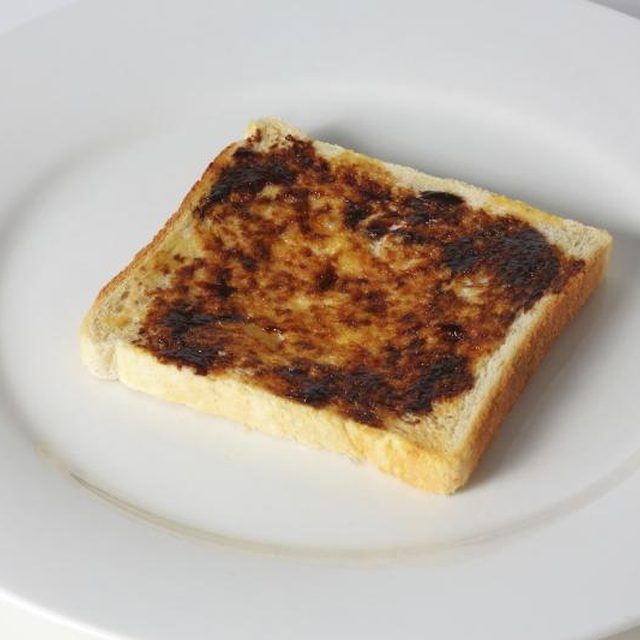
126, 515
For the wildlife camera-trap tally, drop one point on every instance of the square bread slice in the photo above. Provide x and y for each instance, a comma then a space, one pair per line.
349, 304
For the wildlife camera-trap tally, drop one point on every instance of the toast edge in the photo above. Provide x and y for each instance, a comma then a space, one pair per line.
257, 409
390, 452
522, 363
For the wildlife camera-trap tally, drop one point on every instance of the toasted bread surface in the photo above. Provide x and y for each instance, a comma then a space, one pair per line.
353, 305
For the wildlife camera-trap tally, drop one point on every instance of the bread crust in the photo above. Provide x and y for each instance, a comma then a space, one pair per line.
441, 470
193, 196
556, 313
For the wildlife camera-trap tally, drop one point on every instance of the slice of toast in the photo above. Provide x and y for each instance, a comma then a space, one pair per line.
349, 304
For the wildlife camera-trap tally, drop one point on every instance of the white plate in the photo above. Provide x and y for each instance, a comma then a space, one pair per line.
123, 514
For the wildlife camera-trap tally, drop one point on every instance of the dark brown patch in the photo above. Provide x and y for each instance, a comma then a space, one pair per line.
442, 376
452, 332
326, 278
441, 198
220, 285
176, 337
433, 207
378, 228
354, 214
248, 262
517, 253
410, 236
246, 180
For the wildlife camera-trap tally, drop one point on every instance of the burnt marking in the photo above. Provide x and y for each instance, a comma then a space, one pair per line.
396, 338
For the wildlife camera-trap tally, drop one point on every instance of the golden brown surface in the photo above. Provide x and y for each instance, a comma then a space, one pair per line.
544, 279
324, 282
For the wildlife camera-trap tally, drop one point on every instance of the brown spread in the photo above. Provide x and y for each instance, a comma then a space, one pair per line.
329, 284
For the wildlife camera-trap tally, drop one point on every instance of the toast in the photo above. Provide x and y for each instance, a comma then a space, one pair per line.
349, 304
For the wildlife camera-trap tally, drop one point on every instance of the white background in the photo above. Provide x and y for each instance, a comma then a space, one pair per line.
17, 623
